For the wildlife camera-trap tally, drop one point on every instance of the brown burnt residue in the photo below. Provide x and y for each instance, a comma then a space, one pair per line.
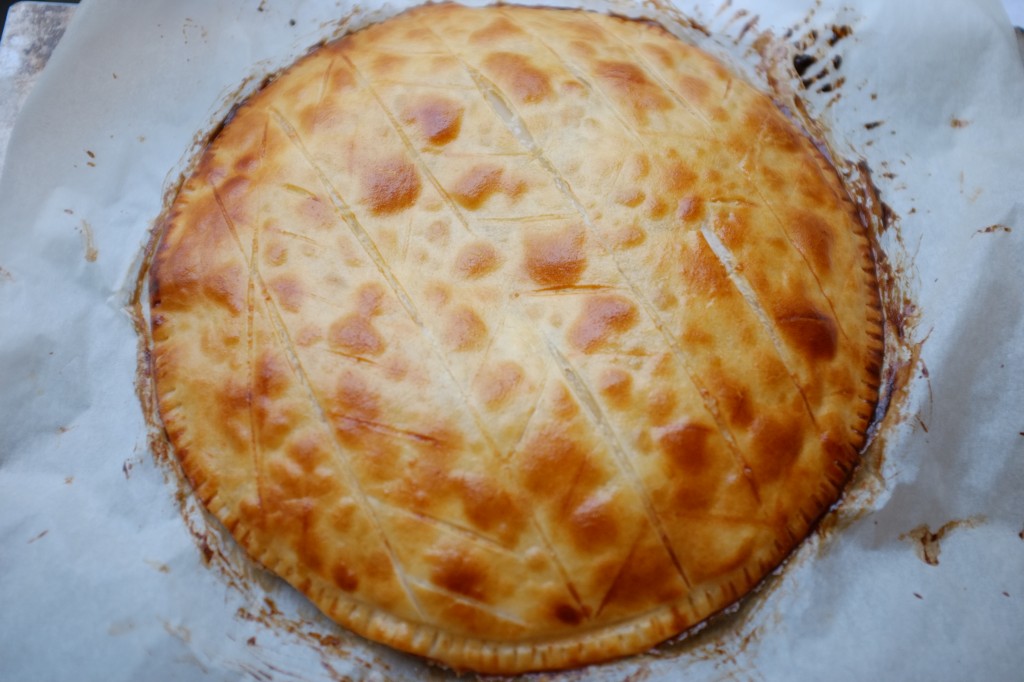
926, 543
814, 65
1005, 229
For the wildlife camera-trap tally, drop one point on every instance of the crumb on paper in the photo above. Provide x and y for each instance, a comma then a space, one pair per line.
959, 122
121, 627
91, 253
179, 631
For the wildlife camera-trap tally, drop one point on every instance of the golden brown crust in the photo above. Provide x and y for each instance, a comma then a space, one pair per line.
515, 338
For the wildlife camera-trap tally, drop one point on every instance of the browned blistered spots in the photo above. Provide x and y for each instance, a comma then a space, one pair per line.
616, 385
658, 209
477, 185
356, 334
777, 444
438, 232
556, 259
702, 271
390, 186
275, 252
308, 453
476, 260
694, 89
490, 508
464, 330
601, 317
496, 384
354, 398
690, 209
661, 403
732, 228
247, 163
458, 571
631, 197
306, 472
438, 294
592, 524
308, 335
388, 64
232, 400
272, 376
811, 330
289, 292
439, 119
660, 54
341, 78
632, 85
226, 287
677, 177
642, 166
563, 402
734, 399
812, 236
773, 128
233, 192
694, 336
685, 448
495, 31
370, 297
518, 76
629, 236
550, 461
274, 421
344, 578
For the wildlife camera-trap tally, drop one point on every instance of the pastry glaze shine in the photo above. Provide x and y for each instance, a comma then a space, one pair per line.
515, 338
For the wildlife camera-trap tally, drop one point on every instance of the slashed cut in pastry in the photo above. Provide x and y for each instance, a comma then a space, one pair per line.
515, 338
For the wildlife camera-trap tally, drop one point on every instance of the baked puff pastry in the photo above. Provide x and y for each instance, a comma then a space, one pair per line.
515, 338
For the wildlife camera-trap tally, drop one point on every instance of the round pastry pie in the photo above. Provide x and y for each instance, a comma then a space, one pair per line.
515, 338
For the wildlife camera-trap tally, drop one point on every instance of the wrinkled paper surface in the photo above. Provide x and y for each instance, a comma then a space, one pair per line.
100, 574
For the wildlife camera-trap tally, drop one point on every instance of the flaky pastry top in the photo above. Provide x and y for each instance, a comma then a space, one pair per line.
515, 338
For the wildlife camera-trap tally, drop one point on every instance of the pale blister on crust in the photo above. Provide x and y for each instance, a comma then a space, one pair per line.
515, 338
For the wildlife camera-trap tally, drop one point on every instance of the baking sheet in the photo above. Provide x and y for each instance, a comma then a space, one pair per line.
109, 571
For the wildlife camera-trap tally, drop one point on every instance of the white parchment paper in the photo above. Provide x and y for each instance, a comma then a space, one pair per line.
101, 573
